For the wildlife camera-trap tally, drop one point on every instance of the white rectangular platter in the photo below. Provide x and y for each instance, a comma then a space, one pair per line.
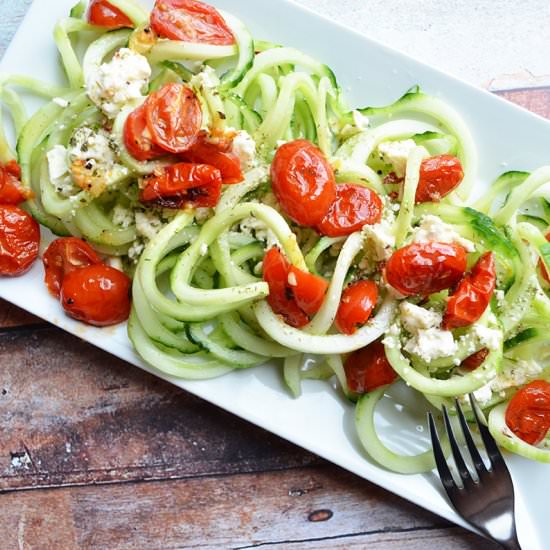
321, 421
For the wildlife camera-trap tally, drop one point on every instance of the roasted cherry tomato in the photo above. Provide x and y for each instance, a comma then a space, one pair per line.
303, 182
438, 177
354, 207
425, 268
64, 256
473, 294
543, 269
368, 369
174, 117
184, 183
97, 295
528, 413
19, 241
137, 137
104, 14
208, 153
358, 301
11, 189
293, 293
475, 360
190, 21
308, 290
275, 270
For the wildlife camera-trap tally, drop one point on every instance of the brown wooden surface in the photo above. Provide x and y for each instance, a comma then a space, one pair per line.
96, 454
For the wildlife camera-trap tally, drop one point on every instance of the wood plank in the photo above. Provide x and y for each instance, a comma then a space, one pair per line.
12, 316
309, 506
72, 414
536, 100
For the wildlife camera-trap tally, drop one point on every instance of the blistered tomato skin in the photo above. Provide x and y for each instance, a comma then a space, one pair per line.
528, 413
307, 289
19, 241
98, 295
475, 360
473, 294
368, 369
190, 21
421, 269
354, 207
64, 256
174, 117
103, 14
11, 189
303, 182
439, 176
137, 137
356, 306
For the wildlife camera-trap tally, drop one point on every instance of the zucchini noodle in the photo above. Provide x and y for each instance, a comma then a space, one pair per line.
200, 305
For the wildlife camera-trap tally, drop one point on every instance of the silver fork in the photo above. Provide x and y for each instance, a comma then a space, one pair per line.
488, 502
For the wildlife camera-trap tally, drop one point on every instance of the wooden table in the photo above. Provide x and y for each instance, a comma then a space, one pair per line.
95, 453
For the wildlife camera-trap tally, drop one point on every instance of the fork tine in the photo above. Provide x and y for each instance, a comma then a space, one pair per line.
457, 455
474, 453
493, 452
440, 461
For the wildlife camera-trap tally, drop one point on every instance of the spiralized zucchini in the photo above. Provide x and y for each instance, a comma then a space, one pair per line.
199, 302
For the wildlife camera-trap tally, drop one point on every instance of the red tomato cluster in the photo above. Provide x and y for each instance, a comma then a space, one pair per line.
293, 293
368, 368
473, 294
169, 122
19, 232
528, 413
89, 290
305, 186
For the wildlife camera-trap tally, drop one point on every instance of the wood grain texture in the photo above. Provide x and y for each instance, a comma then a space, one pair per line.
536, 100
12, 316
313, 508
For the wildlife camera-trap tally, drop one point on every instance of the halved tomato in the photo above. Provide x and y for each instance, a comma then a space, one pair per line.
137, 137
103, 14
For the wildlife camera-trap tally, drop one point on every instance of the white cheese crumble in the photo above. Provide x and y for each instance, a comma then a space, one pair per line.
135, 250
111, 86
61, 102
91, 146
203, 249
379, 241
513, 374
57, 162
397, 154
431, 344
434, 229
488, 337
206, 79
148, 224
416, 318
123, 216
258, 230
244, 148
360, 121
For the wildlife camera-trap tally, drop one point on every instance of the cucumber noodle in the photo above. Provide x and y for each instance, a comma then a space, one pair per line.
199, 308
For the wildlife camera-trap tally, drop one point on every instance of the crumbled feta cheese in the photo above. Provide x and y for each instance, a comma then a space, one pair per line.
61, 102
416, 318
135, 250
379, 240
500, 296
488, 337
91, 146
360, 120
396, 153
257, 229
244, 148
148, 224
433, 228
113, 85
123, 216
513, 374
207, 78
204, 249
57, 162
431, 344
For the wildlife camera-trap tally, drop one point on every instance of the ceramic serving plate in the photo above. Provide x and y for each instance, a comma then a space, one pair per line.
321, 420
